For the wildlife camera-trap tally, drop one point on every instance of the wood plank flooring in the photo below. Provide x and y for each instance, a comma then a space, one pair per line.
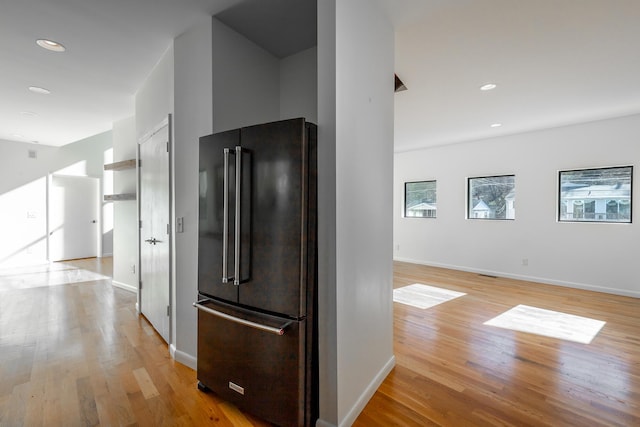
454, 371
77, 354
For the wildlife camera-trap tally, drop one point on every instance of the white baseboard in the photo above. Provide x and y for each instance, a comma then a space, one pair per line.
368, 393
182, 357
322, 423
546, 281
124, 286
106, 255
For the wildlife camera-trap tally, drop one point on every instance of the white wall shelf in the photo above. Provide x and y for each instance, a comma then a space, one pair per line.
119, 166
119, 197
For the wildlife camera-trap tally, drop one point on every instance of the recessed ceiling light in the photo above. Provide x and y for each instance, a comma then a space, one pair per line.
496, 125
40, 90
488, 86
29, 113
50, 45
16, 135
36, 142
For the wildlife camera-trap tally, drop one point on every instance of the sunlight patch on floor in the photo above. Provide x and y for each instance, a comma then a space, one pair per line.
53, 274
423, 296
548, 323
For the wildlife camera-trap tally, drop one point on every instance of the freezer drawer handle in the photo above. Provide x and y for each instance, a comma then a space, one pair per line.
271, 329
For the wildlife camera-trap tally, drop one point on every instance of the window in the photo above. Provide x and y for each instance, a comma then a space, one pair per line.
595, 195
420, 199
492, 197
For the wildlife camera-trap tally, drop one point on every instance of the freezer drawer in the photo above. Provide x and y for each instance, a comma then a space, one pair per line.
259, 370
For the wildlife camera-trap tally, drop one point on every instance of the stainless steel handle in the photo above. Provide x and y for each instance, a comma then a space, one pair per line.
225, 217
254, 325
153, 241
236, 271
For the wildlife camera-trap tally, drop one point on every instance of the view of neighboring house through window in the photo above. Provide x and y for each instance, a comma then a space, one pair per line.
420, 199
492, 197
596, 195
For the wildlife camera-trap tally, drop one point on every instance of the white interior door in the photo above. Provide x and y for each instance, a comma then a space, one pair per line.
73, 217
154, 228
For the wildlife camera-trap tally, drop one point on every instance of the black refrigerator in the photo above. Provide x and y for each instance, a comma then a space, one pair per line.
257, 270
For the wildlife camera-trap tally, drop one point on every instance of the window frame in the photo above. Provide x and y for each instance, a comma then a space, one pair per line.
435, 190
469, 208
566, 201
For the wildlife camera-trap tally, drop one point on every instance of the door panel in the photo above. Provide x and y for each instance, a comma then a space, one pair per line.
73, 217
279, 184
212, 228
154, 231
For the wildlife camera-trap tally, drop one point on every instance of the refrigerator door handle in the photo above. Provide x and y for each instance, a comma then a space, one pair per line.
225, 218
237, 248
254, 325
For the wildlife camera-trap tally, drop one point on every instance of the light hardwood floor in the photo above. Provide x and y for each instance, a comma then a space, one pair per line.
454, 371
76, 354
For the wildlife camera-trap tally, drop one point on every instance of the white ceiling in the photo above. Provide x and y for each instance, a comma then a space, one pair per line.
112, 46
555, 62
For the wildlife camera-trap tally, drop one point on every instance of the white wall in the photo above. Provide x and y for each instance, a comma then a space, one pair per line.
193, 119
327, 327
23, 191
362, 118
125, 213
245, 81
154, 100
299, 86
593, 256
252, 86
23, 203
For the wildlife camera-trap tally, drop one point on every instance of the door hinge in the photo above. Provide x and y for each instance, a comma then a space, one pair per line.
167, 146
139, 163
168, 310
140, 224
140, 284
168, 229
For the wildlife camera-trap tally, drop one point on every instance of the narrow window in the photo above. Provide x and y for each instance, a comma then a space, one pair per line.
420, 199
